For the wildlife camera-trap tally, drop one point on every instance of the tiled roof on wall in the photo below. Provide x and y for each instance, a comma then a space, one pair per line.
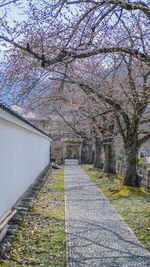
28, 114
6, 108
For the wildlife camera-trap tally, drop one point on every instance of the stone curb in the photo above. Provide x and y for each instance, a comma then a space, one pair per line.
23, 205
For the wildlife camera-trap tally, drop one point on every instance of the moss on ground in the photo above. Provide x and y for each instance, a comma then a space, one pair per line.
41, 240
133, 204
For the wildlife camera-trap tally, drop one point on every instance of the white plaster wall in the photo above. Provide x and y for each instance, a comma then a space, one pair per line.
24, 152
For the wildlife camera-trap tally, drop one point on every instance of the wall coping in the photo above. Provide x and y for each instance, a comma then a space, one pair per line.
7, 109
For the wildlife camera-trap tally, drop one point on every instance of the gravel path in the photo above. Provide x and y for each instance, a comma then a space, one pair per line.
96, 233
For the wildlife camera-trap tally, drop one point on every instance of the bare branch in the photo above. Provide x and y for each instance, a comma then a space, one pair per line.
134, 52
122, 3
145, 121
120, 127
8, 3
144, 139
74, 55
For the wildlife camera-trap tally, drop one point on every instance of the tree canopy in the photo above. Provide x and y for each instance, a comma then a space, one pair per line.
100, 48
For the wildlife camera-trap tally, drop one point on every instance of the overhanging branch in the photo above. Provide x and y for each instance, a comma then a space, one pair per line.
144, 139
77, 55
122, 3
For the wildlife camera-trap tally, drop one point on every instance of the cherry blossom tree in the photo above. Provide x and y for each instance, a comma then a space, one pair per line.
56, 39
125, 89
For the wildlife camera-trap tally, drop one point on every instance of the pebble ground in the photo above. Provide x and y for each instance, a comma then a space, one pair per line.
96, 233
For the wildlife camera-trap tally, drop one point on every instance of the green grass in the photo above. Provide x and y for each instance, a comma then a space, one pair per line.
41, 240
133, 204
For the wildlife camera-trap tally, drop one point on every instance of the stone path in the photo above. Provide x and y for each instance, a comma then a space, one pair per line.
96, 233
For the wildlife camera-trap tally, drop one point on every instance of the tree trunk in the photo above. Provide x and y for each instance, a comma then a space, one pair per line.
82, 153
98, 155
89, 154
85, 153
130, 162
110, 162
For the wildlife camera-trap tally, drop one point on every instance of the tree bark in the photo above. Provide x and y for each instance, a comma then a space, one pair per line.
89, 154
83, 155
98, 155
110, 162
130, 161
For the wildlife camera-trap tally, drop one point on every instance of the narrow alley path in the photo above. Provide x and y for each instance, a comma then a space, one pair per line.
96, 233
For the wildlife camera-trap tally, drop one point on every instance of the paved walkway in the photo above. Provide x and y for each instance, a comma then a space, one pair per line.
96, 234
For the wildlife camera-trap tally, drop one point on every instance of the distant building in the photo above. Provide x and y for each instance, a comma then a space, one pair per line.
65, 142
38, 119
